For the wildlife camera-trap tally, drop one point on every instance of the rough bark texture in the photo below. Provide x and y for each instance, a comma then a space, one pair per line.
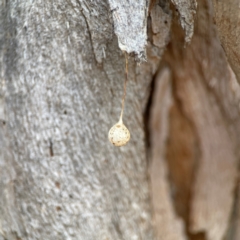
61, 75
130, 25
187, 11
64, 180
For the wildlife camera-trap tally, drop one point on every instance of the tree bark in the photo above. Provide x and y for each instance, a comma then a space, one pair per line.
227, 20
201, 147
62, 74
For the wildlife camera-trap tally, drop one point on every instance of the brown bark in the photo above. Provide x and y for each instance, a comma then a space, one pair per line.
203, 136
227, 21
165, 218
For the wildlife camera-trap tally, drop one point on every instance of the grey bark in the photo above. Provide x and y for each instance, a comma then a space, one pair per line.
61, 85
130, 25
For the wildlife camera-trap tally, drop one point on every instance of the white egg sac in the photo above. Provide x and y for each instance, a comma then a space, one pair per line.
119, 135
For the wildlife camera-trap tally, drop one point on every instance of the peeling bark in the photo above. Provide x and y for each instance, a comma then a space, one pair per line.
130, 25
187, 11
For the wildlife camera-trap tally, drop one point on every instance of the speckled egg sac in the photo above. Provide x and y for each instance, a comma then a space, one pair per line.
119, 135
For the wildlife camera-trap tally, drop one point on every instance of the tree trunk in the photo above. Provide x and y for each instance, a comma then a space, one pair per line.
62, 74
